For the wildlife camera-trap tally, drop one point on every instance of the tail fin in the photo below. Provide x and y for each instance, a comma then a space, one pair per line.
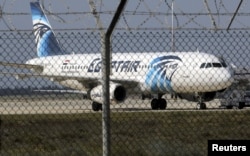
46, 42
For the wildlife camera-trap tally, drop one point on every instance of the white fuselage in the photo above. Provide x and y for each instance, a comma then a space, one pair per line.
155, 72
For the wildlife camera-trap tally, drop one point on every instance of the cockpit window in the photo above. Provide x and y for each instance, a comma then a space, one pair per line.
222, 61
214, 65
220, 64
224, 64
203, 65
217, 65
209, 65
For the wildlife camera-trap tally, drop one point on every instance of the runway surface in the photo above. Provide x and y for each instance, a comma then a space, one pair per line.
58, 105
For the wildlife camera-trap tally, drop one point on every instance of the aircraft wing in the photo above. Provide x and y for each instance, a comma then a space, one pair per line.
35, 68
62, 91
126, 83
18, 65
86, 81
21, 66
51, 77
24, 66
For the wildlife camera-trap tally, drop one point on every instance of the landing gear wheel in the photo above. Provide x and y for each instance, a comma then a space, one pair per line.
154, 104
162, 104
158, 104
96, 106
241, 105
201, 106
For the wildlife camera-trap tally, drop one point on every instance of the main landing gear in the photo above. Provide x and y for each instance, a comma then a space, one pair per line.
96, 106
158, 103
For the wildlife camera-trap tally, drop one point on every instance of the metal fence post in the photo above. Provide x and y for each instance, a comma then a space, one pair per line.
106, 57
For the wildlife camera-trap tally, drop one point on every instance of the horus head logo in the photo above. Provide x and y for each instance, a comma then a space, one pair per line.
160, 74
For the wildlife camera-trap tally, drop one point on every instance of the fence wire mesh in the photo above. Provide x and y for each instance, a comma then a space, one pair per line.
41, 117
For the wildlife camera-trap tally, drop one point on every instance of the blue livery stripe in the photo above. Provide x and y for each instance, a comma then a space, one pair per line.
46, 42
159, 76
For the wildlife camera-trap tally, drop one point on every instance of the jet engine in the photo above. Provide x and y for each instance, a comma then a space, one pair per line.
117, 93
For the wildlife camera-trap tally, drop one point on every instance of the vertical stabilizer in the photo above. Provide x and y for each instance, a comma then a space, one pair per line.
46, 42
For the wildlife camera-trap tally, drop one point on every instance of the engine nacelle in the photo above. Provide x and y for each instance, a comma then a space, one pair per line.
207, 96
117, 93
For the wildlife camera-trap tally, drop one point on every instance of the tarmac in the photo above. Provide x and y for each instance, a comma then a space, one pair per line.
31, 105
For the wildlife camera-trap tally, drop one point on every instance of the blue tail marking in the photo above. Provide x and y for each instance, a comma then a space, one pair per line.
46, 42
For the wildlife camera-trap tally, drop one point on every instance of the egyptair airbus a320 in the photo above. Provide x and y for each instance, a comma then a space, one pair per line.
195, 76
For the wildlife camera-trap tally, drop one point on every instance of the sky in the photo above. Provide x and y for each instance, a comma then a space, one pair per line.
138, 14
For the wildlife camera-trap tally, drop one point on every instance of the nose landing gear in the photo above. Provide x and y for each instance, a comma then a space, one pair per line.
201, 104
158, 103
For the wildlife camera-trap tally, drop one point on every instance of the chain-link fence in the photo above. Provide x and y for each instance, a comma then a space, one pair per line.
41, 117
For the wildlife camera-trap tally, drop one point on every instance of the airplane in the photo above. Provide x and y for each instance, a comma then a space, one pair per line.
195, 76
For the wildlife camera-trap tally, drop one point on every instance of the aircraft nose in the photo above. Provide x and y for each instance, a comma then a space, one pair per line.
227, 77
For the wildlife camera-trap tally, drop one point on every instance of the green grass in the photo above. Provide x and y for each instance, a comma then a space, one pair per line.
137, 133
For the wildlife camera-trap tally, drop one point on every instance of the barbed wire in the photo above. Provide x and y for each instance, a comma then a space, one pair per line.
143, 15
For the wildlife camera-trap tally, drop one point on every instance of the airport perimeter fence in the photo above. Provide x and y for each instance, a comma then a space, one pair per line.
41, 117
